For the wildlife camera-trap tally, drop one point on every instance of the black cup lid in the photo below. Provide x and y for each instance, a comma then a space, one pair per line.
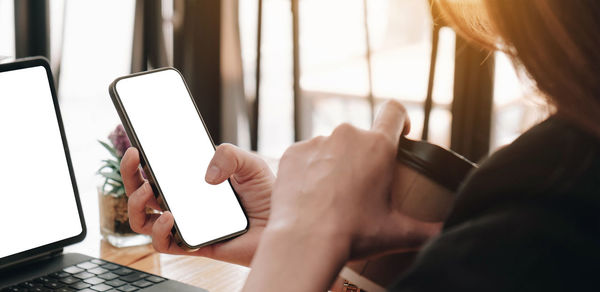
441, 165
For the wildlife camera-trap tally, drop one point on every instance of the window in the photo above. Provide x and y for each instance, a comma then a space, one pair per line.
96, 50
334, 78
516, 106
335, 71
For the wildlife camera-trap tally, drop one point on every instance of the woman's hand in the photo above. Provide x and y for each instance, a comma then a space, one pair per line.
341, 184
332, 202
250, 176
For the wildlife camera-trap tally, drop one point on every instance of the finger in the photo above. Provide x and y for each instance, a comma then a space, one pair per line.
391, 121
234, 251
407, 125
139, 220
230, 161
130, 170
146, 194
162, 240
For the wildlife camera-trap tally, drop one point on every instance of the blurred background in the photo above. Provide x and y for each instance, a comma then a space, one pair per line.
267, 73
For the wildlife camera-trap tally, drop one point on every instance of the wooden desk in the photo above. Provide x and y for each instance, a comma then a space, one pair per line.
209, 274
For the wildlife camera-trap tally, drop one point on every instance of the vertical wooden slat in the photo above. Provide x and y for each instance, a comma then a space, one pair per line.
154, 37
473, 101
32, 36
435, 38
370, 96
254, 114
149, 49
298, 135
138, 50
197, 54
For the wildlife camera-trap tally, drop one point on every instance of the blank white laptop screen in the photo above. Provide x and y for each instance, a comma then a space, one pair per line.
38, 201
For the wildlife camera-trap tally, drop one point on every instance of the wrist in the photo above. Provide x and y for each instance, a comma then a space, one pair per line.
317, 238
309, 258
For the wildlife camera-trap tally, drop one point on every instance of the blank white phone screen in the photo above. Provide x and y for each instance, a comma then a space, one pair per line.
178, 150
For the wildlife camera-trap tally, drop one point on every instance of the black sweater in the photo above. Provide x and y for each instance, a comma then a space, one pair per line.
527, 220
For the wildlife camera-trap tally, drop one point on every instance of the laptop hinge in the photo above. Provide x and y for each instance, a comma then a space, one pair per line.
33, 258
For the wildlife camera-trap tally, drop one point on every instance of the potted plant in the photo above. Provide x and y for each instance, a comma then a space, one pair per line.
114, 220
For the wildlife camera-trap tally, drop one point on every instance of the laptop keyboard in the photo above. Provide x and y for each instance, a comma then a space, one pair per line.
91, 276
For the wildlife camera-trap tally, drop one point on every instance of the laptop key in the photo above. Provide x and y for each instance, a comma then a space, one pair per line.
101, 287
30, 284
39, 289
142, 283
108, 276
73, 270
123, 271
98, 270
154, 279
98, 261
94, 280
87, 265
80, 285
69, 280
110, 266
63, 289
115, 283
133, 277
127, 288
83, 275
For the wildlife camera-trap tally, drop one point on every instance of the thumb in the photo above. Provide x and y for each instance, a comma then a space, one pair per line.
230, 160
392, 121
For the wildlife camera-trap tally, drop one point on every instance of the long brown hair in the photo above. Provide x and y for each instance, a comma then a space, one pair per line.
556, 42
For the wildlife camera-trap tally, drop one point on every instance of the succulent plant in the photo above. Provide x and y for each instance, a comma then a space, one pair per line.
110, 169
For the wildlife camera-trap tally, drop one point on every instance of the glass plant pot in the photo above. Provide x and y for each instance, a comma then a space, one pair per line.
114, 221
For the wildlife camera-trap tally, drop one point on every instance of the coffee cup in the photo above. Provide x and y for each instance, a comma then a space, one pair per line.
426, 179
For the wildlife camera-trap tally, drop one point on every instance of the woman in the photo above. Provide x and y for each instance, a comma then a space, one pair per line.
526, 220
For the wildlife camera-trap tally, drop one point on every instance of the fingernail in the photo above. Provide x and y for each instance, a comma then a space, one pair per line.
212, 174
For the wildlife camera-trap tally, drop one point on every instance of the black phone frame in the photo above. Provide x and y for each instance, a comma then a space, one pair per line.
112, 89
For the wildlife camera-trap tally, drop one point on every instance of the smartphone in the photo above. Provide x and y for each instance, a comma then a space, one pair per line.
163, 122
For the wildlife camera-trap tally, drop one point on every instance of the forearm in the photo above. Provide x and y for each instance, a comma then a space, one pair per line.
292, 260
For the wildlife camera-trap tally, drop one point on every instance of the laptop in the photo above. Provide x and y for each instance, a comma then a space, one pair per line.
41, 211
